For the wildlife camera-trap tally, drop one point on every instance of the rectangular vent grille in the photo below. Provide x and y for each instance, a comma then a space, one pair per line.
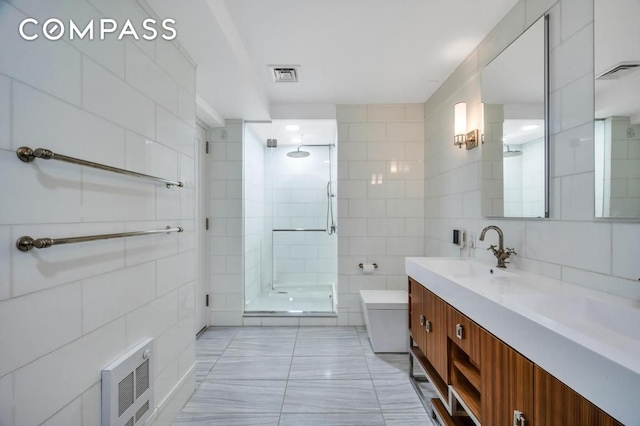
142, 378
127, 387
619, 71
141, 411
125, 394
285, 73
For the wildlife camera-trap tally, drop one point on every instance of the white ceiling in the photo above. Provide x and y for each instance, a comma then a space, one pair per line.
349, 51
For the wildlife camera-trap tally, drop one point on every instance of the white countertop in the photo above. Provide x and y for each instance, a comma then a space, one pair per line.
587, 339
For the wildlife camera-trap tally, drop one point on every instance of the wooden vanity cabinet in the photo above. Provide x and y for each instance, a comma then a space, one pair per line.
436, 336
556, 404
464, 333
493, 380
507, 383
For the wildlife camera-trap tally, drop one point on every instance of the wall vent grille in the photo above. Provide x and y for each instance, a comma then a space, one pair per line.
285, 73
127, 387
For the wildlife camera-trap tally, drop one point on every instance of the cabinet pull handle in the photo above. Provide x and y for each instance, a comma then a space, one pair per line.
427, 326
518, 418
459, 331
422, 319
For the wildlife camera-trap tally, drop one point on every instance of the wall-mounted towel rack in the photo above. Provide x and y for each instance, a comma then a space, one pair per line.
26, 243
27, 155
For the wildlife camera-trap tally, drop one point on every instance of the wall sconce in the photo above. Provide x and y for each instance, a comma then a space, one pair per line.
462, 137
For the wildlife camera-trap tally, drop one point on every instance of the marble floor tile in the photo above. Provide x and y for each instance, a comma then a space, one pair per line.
265, 348
306, 376
202, 370
329, 396
384, 366
306, 333
267, 332
332, 419
237, 396
220, 333
329, 368
251, 368
209, 348
408, 419
328, 347
397, 395
227, 419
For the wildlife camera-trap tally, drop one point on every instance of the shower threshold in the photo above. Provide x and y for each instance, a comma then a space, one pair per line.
294, 300
290, 314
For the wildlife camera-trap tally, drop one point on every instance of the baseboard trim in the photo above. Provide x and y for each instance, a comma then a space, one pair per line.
160, 407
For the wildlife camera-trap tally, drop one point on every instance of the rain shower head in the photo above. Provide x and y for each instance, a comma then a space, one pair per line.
507, 152
298, 154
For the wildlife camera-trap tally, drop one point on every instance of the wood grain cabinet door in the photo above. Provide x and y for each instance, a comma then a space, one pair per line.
436, 313
416, 292
556, 404
465, 333
507, 384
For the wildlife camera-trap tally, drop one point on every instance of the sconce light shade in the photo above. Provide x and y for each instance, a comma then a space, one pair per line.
460, 123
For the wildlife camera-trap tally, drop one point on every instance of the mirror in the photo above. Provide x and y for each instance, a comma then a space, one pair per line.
515, 136
617, 108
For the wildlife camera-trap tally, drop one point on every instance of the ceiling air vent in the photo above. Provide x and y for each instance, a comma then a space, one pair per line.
285, 73
618, 71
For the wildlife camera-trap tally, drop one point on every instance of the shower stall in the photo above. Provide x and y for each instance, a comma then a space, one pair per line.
289, 203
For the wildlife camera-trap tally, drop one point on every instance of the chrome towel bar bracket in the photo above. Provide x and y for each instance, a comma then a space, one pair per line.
27, 155
27, 243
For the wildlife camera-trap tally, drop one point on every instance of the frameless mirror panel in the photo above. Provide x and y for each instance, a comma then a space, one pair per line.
617, 108
515, 133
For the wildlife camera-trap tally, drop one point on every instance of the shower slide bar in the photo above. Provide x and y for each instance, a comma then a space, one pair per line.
27, 155
27, 243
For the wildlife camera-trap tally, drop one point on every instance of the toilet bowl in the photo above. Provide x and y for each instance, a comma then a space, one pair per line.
385, 314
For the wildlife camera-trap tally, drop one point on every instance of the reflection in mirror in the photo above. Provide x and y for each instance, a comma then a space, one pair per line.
617, 108
514, 151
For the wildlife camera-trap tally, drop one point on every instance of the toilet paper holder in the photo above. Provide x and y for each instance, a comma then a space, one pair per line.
361, 265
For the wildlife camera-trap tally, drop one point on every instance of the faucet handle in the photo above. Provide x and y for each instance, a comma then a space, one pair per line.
511, 251
492, 247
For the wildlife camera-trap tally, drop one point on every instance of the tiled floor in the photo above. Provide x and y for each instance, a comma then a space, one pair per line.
289, 376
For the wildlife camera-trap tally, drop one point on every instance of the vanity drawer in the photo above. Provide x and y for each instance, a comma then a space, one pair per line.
464, 333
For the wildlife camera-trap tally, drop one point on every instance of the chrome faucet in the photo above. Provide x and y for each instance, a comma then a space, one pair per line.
501, 254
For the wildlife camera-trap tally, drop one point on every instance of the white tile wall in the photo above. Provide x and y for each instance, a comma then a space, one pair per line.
70, 310
29, 332
225, 244
104, 94
52, 67
380, 198
5, 112
564, 246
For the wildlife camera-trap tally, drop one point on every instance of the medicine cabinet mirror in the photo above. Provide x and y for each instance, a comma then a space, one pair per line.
617, 108
515, 137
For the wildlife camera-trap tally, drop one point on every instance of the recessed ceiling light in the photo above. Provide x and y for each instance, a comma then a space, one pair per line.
530, 127
296, 140
293, 127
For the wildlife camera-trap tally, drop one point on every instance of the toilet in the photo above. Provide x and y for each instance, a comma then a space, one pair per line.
385, 314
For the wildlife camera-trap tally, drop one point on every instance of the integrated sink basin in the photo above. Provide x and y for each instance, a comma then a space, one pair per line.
593, 319
458, 267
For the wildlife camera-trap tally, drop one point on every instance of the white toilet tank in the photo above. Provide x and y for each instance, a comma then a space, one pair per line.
385, 314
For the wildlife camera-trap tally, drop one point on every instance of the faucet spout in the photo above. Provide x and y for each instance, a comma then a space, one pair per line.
500, 235
500, 253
